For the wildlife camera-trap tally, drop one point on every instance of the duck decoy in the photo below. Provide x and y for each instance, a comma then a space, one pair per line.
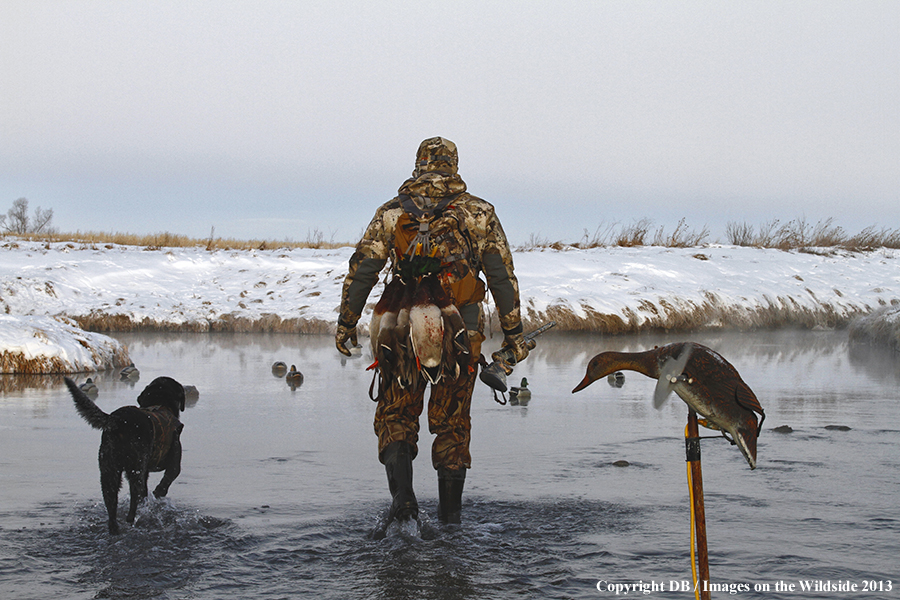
616, 379
89, 387
130, 373
294, 377
520, 395
279, 369
701, 377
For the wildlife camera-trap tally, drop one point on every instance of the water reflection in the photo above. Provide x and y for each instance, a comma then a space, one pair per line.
280, 488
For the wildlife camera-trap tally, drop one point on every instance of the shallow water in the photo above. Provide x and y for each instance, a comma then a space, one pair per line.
280, 488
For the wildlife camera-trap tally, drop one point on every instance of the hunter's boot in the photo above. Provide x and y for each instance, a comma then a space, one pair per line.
450, 489
398, 465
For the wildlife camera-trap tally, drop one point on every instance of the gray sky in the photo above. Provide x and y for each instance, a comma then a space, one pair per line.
282, 119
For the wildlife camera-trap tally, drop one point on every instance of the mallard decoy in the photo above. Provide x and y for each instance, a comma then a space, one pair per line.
130, 373
294, 377
520, 394
279, 369
89, 387
706, 382
616, 379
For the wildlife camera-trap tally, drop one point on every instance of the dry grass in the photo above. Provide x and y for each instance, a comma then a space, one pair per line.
800, 234
711, 314
881, 326
266, 323
155, 241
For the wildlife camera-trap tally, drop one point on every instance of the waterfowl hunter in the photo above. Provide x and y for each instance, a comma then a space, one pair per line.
701, 377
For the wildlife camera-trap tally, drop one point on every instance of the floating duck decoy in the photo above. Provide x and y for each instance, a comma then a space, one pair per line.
616, 379
294, 377
89, 387
130, 373
701, 377
279, 369
520, 395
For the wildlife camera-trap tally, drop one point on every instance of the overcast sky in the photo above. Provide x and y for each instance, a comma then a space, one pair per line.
277, 120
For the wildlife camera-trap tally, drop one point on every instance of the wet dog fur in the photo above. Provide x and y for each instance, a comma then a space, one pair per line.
136, 441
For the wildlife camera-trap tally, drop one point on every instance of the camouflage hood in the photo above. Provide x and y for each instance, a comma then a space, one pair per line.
431, 186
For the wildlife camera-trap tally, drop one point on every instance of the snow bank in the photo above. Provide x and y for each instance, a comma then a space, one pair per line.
32, 344
609, 290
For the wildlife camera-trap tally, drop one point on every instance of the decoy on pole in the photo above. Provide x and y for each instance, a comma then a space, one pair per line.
701, 377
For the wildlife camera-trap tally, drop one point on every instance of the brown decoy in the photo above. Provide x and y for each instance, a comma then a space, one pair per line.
707, 383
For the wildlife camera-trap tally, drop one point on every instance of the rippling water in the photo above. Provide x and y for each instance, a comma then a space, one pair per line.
280, 488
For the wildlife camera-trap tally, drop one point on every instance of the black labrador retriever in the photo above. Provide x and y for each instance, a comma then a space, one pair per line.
136, 441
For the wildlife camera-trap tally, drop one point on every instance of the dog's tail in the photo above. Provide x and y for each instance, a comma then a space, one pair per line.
89, 411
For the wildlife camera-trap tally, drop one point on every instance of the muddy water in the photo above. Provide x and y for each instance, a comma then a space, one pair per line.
281, 488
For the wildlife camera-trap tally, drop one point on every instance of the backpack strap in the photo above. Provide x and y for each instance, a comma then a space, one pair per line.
422, 243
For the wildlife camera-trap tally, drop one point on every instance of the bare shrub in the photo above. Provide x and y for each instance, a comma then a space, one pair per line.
600, 238
826, 235
681, 237
634, 234
739, 234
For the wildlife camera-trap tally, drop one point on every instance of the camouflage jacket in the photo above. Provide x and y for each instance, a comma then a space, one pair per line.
488, 251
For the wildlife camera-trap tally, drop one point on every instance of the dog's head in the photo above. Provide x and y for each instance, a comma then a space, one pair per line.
163, 391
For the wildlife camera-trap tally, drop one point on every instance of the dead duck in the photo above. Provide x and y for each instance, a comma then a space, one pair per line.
426, 331
389, 331
521, 395
279, 369
701, 377
455, 346
89, 387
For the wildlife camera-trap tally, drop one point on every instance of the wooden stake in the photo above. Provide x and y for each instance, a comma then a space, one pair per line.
693, 457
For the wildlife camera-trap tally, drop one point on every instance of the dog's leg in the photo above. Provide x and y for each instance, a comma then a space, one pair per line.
110, 482
137, 483
173, 469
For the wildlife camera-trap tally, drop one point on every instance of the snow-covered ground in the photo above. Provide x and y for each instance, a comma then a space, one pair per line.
614, 290
36, 344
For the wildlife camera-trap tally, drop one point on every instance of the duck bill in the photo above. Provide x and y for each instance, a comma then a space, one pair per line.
584, 383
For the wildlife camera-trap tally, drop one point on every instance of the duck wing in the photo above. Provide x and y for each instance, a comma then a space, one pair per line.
671, 369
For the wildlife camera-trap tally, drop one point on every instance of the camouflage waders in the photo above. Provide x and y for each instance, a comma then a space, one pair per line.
398, 412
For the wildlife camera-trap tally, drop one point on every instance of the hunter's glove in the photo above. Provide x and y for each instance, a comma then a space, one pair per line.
344, 334
516, 344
